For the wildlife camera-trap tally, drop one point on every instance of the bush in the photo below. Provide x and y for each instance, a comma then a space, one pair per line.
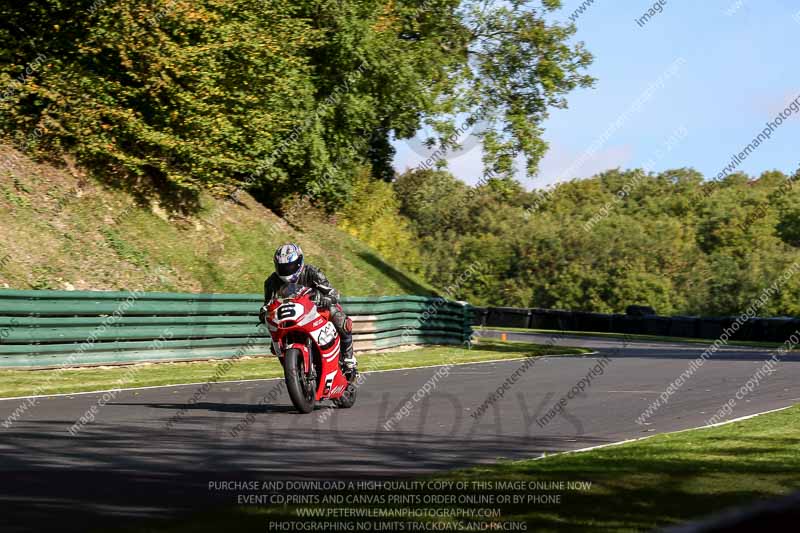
372, 215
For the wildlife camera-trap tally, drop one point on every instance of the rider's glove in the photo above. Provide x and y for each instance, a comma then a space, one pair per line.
321, 301
262, 314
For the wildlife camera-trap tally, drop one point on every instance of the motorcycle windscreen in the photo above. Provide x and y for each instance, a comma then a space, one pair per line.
290, 290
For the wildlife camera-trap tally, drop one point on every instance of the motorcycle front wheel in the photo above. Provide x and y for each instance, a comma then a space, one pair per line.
301, 386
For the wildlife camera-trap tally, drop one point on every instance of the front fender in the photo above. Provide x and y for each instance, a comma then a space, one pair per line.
306, 356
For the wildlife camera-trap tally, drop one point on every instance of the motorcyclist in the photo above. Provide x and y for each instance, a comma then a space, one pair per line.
290, 268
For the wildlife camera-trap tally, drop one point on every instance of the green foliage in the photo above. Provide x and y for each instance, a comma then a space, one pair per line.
78, 234
433, 199
373, 217
192, 94
14, 198
275, 96
123, 249
620, 238
522, 66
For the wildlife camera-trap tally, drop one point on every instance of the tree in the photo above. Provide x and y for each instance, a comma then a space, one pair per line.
373, 217
519, 66
275, 96
619, 238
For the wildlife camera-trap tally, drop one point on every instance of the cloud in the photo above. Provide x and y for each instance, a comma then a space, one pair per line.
465, 163
468, 165
559, 158
770, 104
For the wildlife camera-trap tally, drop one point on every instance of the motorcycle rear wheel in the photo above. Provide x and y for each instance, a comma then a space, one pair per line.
300, 386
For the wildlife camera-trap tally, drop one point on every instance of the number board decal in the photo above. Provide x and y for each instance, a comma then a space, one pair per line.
288, 311
285, 311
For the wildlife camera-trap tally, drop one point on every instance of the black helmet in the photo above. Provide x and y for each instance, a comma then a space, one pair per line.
288, 261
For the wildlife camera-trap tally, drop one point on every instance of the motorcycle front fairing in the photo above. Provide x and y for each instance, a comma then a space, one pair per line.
295, 322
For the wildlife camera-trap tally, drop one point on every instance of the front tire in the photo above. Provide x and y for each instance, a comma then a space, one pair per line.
301, 388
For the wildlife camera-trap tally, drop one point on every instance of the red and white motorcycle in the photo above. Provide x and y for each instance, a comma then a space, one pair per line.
308, 345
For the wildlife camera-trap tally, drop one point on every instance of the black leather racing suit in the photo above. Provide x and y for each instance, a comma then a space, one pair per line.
326, 297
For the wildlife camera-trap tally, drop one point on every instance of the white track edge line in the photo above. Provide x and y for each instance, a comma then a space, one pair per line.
637, 439
170, 385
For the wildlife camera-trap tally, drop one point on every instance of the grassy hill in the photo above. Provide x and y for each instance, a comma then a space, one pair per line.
62, 229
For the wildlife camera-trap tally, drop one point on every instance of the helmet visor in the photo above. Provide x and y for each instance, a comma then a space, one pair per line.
289, 269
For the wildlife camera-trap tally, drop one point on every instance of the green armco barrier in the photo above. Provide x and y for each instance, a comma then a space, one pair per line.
390, 325
409, 332
87, 321
395, 307
72, 334
121, 346
410, 316
133, 356
66, 307
69, 328
396, 341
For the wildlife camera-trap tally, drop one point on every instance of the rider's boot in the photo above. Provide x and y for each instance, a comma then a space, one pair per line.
344, 326
349, 362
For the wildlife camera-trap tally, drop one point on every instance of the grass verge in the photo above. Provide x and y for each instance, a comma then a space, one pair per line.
60, 231
22, 382
635, 336
664, 480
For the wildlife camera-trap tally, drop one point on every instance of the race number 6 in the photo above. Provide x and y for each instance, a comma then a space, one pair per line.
285, 311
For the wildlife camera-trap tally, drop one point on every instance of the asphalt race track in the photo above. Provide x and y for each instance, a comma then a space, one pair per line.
128, 463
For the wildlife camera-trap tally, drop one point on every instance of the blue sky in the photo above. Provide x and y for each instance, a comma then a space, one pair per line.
738, 68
